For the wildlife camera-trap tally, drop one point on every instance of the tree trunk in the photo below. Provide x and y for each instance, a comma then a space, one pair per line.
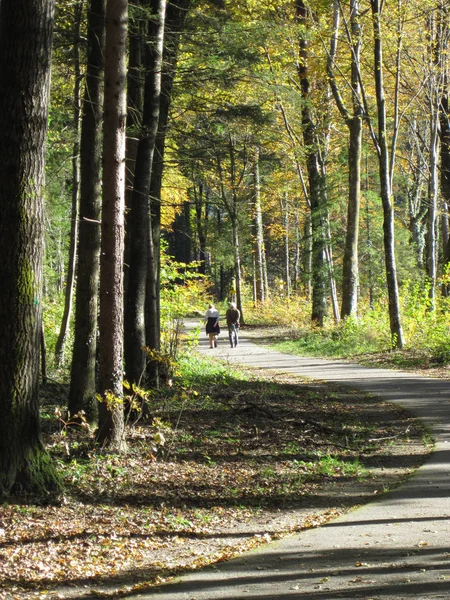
83, 370
433, 195
315, 179
111, 421
258, 243
70, 279
444, 118
285, 217
444, 121
201, 219
386, 192
140, 253
176, 12
354, 123
307, 256
237, 267
369, 243
135, 97
25, 61
297, 250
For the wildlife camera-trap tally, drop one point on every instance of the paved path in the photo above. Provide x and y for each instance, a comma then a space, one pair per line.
395, 548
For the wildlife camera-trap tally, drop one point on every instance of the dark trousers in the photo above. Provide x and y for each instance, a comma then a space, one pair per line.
233, 335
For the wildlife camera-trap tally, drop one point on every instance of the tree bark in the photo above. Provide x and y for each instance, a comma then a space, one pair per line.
433, 194
176, 13
83, 370
70, 279
315, 180
111, 414
25, 60
353, 121
201, 220
385, 179
135, 97
284, 205
444, 131
444, 117
258, 235
139, 218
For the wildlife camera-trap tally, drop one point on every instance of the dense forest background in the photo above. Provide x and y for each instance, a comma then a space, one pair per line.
292, 156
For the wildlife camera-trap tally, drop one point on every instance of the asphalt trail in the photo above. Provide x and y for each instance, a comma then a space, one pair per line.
395, 548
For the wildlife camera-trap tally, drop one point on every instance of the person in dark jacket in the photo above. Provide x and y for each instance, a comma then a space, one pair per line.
233, 315
212, 325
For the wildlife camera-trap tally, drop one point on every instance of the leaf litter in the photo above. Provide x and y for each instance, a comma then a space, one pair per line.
244, 462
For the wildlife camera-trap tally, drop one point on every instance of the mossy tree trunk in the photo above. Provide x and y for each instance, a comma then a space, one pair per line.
25, 60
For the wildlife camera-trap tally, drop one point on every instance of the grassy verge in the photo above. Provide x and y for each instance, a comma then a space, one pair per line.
337, 343
210, 470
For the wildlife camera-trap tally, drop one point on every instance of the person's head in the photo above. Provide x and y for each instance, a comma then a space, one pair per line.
232, 304
211, 306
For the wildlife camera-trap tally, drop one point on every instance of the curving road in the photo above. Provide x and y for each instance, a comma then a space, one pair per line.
395, 548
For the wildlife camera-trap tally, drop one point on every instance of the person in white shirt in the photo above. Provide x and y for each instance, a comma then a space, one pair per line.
212, 325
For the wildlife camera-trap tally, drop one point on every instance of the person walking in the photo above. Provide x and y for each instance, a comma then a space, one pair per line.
232, 316
212, 325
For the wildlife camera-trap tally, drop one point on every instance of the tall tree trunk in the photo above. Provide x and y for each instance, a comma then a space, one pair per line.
258, 243
176, 12
285, 217
444, 118
111, 416
201, 219
369, 243
237, 265
83, 370
315, 179
444, 130
307, 256
417, 208
385, 183
296, 278
354, 124
70, 279
135, 97
140, 251
433, 195
25, 60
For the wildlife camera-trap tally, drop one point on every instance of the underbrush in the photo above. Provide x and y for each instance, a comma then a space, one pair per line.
233, 450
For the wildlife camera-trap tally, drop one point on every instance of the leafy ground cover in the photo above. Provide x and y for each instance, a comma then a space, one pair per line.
219, 466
